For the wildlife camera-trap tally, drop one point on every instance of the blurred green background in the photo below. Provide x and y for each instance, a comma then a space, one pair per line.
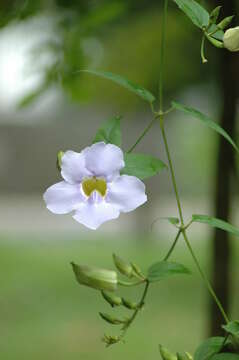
47, 106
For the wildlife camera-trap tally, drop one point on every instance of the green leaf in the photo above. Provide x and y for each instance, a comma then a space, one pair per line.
164, 269
218, 34
142, 166
110, 132
232, 327
217, 223
137, 89
225, 356
208, 348
206, 120
198, 15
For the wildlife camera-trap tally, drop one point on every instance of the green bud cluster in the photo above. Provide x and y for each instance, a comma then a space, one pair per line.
107, 282
214, 33
111, 339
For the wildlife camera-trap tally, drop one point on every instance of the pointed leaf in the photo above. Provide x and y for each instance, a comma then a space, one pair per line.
164, 269
217, 223
208, 348
198, 15
142, 166
137, 89
232, 328
110, 132
218, 34
206, 120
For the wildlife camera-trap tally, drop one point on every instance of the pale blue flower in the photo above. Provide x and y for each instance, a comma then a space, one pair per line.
93, 187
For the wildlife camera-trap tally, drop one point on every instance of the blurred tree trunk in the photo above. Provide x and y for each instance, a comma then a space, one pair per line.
229, 80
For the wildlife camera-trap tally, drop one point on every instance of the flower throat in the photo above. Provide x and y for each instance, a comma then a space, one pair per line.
94, 184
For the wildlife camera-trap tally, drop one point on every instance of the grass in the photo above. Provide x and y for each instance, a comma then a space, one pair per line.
46, 314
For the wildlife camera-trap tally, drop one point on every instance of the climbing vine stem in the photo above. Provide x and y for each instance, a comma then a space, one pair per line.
172, 173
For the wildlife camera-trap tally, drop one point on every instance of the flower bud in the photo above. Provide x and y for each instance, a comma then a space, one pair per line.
214, 14
166, 354
219, 44
189, 355
110, 339
181, 356
58, 161
124, 267
100, 279
184, 356
231, 39
111, 299
129, 304
137, 271
111, 320
225, 22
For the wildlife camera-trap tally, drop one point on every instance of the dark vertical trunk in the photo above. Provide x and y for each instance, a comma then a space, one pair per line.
229, 80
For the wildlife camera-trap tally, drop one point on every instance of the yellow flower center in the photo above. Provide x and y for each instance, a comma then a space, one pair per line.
90, 185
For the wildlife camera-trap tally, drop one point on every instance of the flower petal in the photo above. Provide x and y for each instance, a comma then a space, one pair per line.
95, 212
73, 168
126, 193
104, 159
62, 198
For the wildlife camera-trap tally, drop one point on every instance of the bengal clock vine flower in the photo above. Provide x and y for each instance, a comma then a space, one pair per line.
92, 186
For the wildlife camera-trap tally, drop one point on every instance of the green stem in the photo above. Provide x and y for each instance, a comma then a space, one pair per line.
129, 284
210, 289
142, 135
162, 48
173, 178
161, 117
173, 246
141, 303
204, 60
183, 230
